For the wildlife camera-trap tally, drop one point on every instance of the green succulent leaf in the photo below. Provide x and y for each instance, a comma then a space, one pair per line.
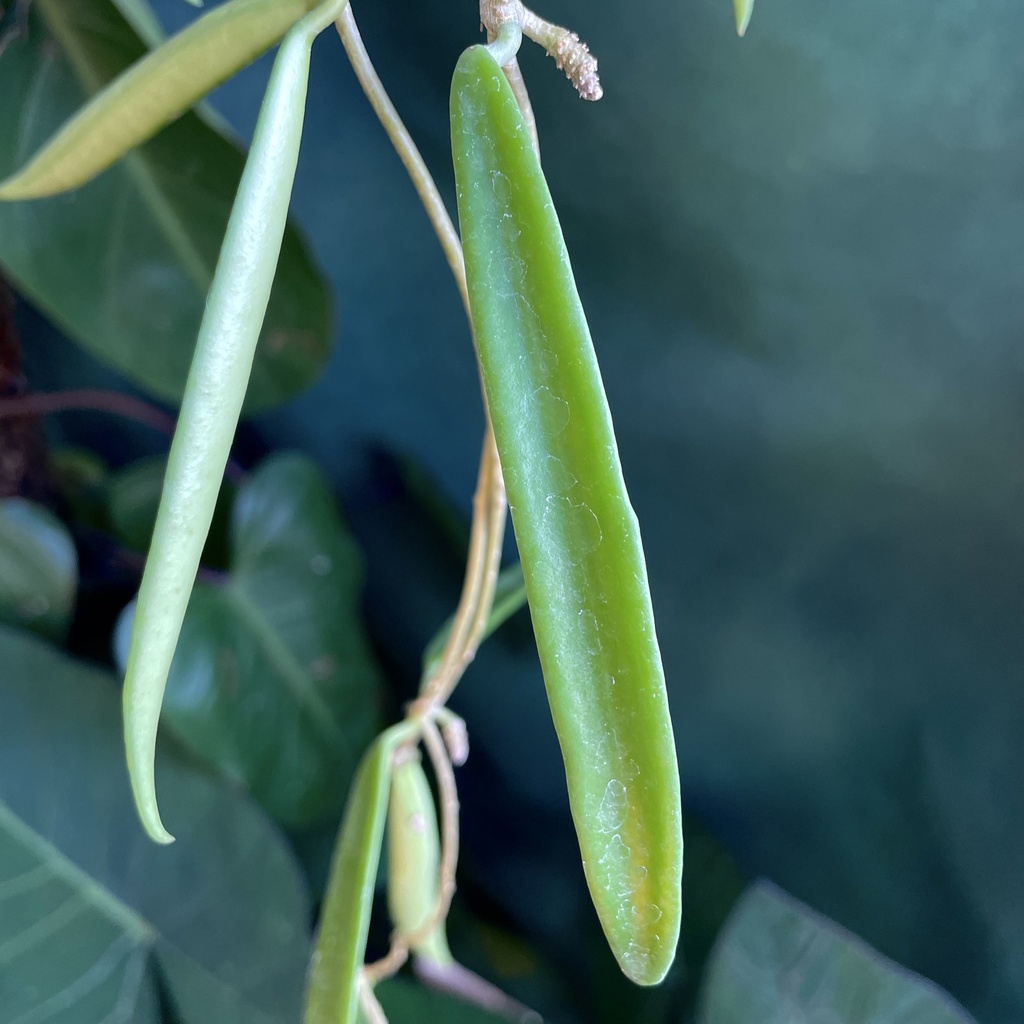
332, 995
743, 9
273, 682
153, 92
98, 922
124, 265
578, 537
778, 962
218, 380
38, 568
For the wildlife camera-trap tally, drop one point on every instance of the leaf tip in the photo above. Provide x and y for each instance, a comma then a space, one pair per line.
140, 749
23, 185
743, 10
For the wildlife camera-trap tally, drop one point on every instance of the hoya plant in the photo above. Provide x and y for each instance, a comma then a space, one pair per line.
251, 629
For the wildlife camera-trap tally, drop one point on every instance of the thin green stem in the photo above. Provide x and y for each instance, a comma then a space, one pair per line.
404, 146
489, 506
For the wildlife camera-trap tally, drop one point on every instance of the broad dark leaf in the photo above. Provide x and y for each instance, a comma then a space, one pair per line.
38, 568
273, 682
95, 915
778, 962
124, 264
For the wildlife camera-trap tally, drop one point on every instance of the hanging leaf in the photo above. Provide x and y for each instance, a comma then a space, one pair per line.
152, 92
332, 989
124, 264
273, 682
778, 962
132, 496
38, 568
101, 924
743, 9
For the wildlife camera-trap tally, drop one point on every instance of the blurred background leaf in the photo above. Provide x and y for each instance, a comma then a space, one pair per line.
38, 568
777, 962
124, 263
100, 923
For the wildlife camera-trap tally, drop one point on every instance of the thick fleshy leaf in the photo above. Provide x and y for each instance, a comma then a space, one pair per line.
743, 9
211, 407
577, 534
332, 989
93, 910
273, 682
778, 962
153, 92
38, 568
124, 264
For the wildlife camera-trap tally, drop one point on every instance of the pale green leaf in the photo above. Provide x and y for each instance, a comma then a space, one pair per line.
151, 93
273, 682
125, 264
743, 10
332, 994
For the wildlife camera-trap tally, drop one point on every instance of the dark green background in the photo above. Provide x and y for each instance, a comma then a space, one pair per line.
803, 259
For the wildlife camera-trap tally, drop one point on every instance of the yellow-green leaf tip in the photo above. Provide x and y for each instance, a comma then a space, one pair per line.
149, 813
744, 9
141, 771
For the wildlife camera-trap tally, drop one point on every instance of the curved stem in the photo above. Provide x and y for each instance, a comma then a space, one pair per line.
514, 75
404, 146
449, 800
97, 400
85, 400
489, 505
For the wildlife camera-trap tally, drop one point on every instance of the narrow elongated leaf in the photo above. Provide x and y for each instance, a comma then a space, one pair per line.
125, 263
332, 992
92, 910
273, 682
778, 962
153, 92
743, 9
578, 537
38, 568
212, 404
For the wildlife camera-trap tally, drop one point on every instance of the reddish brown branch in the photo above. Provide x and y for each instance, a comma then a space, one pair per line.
97, 400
